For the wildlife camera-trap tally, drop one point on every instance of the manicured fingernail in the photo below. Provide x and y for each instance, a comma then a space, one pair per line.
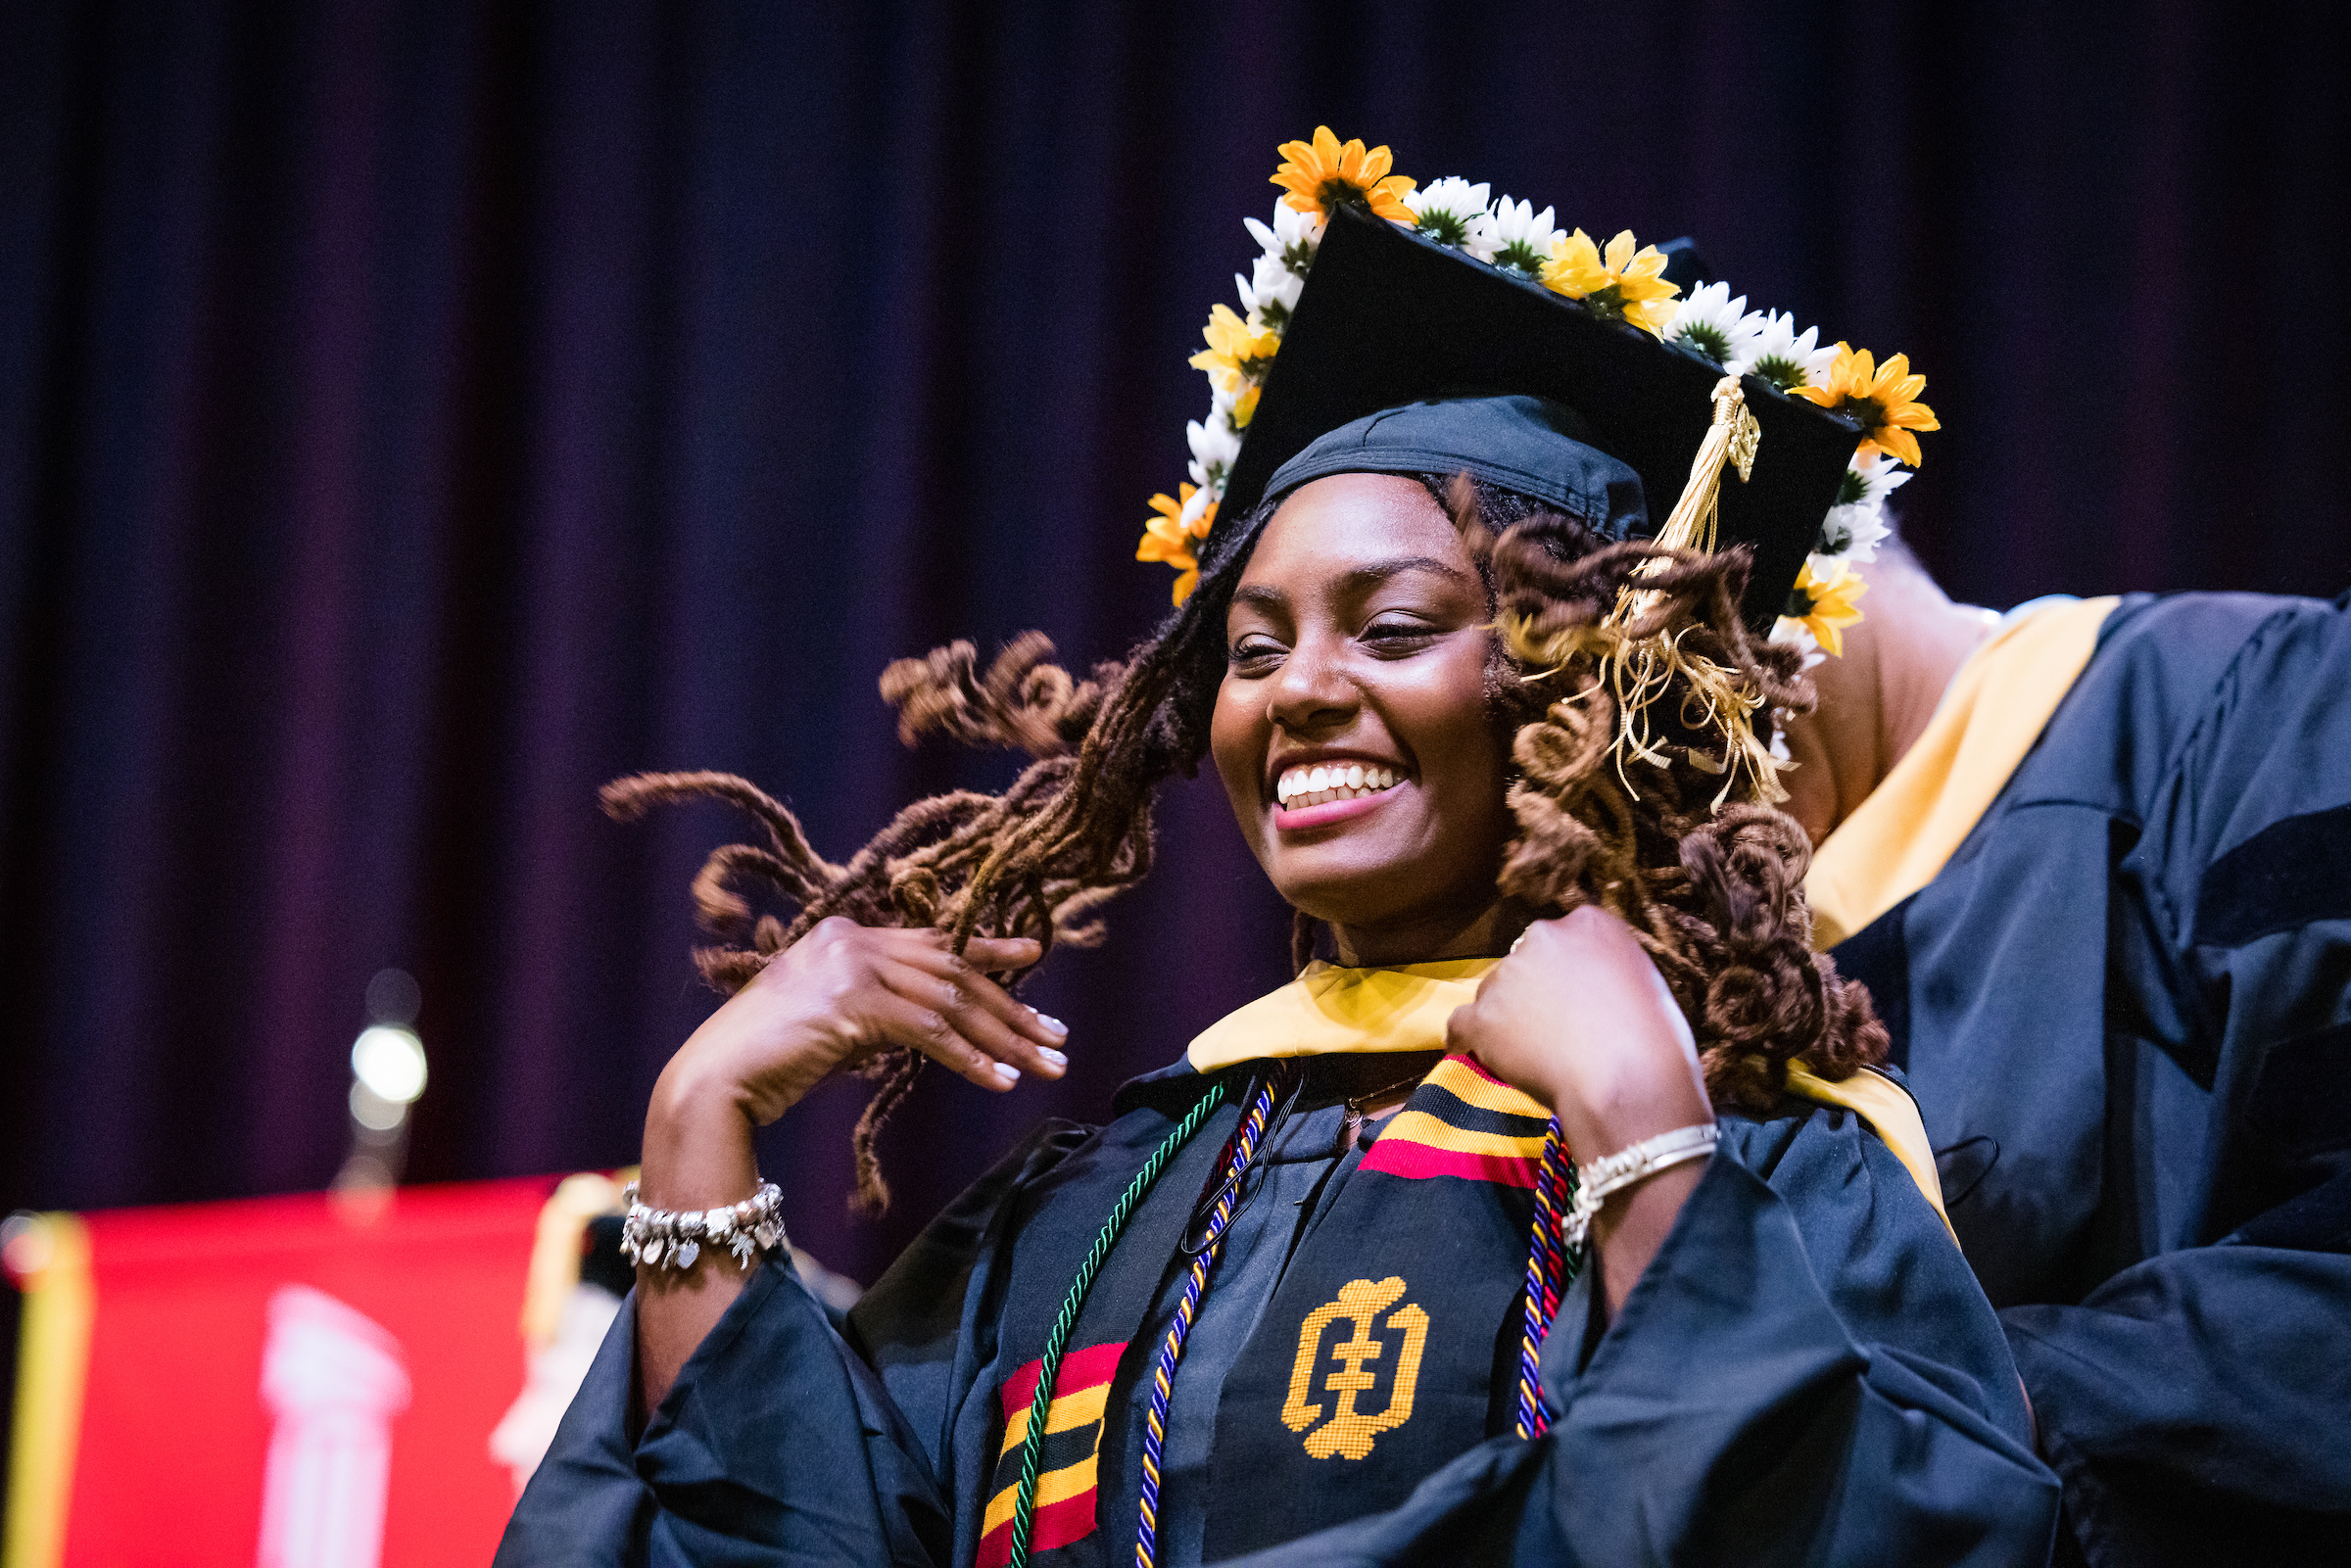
1053, 1056
1008, 1072
1053, 1023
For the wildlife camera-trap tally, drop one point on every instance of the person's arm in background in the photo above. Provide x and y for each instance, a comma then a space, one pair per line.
2198, 1404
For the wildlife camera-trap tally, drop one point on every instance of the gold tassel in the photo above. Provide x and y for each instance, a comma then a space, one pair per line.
1734, 437
1639, 671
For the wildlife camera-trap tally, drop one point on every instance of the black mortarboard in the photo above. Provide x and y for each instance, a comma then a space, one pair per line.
1388, 318
1527, 444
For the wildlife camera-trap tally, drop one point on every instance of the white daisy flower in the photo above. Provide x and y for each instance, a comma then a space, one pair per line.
1215, 445
1513, 236
1852, 533
1871, 479
1856, 525
1447, 208
1293, 238
1270, 294
1707, 322
1779, 355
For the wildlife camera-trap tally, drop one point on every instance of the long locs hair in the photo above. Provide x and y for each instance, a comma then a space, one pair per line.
1712, 890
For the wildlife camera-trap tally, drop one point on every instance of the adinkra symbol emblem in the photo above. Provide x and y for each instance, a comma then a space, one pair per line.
1349, 1431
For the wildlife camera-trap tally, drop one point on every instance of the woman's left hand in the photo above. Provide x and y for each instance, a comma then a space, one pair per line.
1579, 1017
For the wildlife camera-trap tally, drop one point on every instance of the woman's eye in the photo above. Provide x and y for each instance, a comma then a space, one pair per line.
1398, 634
1251, 651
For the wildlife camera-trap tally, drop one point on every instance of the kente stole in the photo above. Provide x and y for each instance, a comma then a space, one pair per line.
1388, 1347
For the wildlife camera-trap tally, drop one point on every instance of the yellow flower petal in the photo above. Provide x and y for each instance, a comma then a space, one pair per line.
1622, 285
1185, 584
1894, 443
1831, 605
1325, 172
1881, 400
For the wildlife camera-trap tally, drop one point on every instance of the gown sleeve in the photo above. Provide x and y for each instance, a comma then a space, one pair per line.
745, 1462
2199, 1403
1806, 1373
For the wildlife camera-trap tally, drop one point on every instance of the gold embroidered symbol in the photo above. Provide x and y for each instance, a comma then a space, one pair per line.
1349, 1431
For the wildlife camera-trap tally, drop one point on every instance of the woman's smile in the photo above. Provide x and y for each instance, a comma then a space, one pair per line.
1316, 791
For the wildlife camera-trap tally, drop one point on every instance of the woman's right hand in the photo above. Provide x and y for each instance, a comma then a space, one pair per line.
844, 992
837, 996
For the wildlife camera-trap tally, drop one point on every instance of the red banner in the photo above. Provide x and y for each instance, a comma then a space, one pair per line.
275, 1380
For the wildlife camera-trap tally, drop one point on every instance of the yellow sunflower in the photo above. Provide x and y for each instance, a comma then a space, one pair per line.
1624, 284
1882, 400
1825, 607
1322, 174
1166, 538
1235, 359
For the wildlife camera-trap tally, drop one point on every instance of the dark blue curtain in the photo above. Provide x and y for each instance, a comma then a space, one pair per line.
413, 414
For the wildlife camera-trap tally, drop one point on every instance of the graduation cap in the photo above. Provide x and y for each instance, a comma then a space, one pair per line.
1387, 318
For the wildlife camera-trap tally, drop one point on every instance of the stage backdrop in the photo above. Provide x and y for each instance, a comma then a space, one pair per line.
412, 415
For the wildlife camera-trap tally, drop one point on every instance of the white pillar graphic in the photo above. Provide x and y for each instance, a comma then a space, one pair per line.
333, 1379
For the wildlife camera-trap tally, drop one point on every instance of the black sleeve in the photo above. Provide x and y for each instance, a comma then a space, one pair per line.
2198, 1404
780, 1442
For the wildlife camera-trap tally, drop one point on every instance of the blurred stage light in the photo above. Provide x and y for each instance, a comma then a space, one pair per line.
389, 1061
373, 1112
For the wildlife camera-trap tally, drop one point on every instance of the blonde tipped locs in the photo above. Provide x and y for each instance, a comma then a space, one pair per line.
1037, 861
1712, 890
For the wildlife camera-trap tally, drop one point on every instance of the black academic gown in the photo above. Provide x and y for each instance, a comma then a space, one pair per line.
2125, 1009
1806, 1374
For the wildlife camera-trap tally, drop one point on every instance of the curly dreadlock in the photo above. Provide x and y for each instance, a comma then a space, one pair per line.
1715, 898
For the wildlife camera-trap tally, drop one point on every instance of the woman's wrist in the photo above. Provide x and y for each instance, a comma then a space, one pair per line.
1643, 1097
698, 1142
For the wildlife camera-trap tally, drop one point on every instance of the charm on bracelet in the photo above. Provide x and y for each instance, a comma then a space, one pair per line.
661, 1238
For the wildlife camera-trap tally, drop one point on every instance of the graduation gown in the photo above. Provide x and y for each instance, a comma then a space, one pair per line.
1806, 1373
2123, 1003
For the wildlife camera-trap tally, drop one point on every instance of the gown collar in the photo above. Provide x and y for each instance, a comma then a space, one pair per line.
1328, 1011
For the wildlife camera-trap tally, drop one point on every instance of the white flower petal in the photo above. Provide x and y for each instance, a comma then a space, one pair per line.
1709, 320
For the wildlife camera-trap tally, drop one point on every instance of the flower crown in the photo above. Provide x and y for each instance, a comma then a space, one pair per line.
1617, 282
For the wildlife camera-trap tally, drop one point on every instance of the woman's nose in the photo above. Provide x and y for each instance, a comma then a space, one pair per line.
1311, 692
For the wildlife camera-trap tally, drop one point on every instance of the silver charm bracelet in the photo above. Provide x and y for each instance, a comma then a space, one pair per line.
657, 1238
1636, 1162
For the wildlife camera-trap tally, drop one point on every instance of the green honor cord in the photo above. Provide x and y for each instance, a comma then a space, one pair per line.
1032, 1445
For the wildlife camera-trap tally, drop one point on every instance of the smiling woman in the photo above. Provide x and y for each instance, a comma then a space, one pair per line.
1553, 1215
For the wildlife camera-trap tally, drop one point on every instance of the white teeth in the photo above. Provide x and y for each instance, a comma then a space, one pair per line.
1311, 786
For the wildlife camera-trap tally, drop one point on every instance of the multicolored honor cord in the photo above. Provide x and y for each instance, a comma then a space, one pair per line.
1550, 1270
1239, 1153
1057, 1339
